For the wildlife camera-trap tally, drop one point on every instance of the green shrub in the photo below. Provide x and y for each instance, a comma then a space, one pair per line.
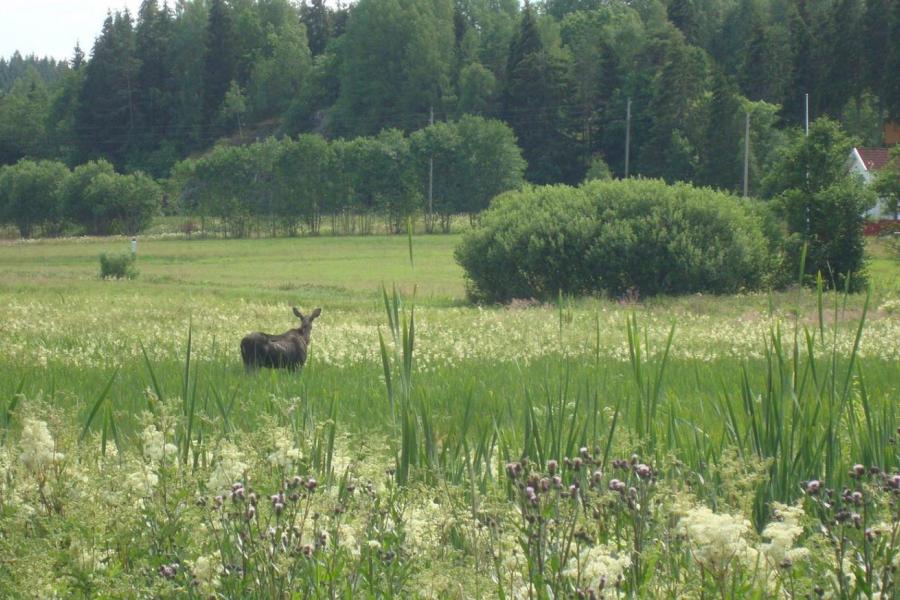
118, 266
616, 236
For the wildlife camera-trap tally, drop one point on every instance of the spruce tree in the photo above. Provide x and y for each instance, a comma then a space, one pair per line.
532, 106
892, 73
105, 121
220, 61
877, 46
683, 14
154, 83
722, 151
317, 18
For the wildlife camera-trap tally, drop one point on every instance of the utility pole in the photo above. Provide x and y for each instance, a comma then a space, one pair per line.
806, 113
430, 224
627, 137
806, 128
747, 156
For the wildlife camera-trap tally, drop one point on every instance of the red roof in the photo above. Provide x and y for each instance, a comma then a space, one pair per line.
874, 158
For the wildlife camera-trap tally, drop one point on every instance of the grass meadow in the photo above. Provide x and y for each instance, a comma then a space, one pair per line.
698, 447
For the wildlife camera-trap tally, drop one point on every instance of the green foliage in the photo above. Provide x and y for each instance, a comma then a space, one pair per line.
887, 185
123, 204
106, 119
31, 195
474, 160
823, 205
23, 112
118, 266
615, 237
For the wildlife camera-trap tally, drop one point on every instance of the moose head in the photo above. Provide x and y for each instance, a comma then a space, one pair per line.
285, 351
306, 322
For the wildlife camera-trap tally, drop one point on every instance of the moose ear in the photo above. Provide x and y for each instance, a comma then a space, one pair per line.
297, 312
315, 313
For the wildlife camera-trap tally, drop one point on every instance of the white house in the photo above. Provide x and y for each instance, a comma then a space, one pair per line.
867, 162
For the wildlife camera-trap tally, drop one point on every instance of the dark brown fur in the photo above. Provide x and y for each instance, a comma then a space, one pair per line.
285, 351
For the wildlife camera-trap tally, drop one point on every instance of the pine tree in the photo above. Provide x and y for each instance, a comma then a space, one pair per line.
878, 46
105, 122
683, 14
845, 74
669, 152
220, 62
154, 85
764, 73
77, 57
721, 152
317, 18
892, 73
532, 106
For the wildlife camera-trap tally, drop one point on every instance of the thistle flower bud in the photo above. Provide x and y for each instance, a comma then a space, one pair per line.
856, 498
238, 495
634, 459
544, 485
894, 482
218, 501
643, 471
251, 512
279, 508
857, 520
253, 498
557, 481
585, 454
311, 484
596, 477
812, 487
236, 486
296, 481
859, 470
576, 463
307, 550
617, 485
787, 563
552, 466
513, 470
573, 491
273, 498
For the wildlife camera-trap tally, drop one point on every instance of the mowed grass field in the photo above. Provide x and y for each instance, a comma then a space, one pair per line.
740, 398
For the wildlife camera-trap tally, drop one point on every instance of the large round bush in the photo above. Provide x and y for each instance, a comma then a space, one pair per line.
614, 236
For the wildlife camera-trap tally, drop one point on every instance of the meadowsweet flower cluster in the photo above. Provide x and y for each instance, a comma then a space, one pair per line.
716, 540
37, 445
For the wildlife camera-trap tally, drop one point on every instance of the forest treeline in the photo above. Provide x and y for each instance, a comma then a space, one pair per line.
170, 81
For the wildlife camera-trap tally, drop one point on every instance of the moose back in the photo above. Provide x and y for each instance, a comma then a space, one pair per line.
285, 351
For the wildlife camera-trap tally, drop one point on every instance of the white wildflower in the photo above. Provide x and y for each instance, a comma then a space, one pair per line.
229, 467
206, 572
716, 539
142, 482
782, 534
285, 454
38, 447
598, 566
155, 446
423, 524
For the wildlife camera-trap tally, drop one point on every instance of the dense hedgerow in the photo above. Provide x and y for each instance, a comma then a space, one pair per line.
617, 236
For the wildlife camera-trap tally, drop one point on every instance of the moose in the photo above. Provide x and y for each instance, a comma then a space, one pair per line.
285, 351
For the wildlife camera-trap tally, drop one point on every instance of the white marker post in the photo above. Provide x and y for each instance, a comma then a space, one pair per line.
134, 246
